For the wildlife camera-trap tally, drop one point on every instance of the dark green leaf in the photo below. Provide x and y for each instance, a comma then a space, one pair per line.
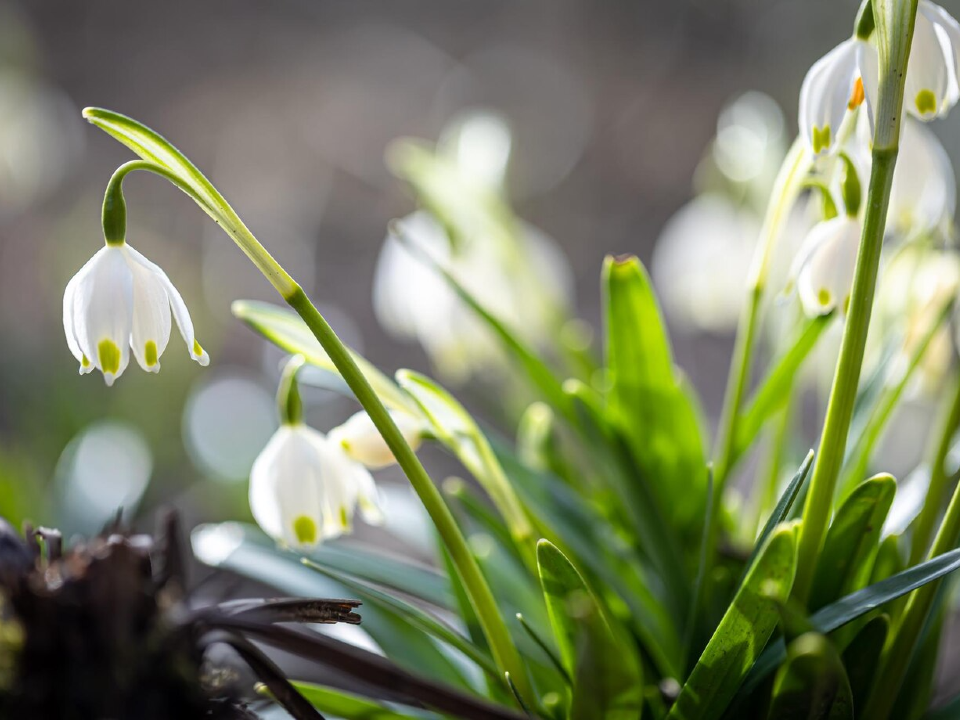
743, 632
811, 684
860, 658
852, 541
346, 705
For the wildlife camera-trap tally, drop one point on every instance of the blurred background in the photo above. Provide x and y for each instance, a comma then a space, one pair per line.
288, 107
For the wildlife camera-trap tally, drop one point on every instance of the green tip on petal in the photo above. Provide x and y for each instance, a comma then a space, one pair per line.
84, 361
821, 138
926, 102
344, 520
824, 297
109, 356
150, 353
305, 530
197, 350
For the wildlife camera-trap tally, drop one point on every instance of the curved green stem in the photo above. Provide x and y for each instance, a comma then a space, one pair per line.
785, 189
894, 39
494, 626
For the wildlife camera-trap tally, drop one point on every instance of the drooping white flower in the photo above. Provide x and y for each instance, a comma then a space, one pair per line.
924, 192
304, 489
931, 87
362, 442
825, 265
839, 81
120, 301
525, 285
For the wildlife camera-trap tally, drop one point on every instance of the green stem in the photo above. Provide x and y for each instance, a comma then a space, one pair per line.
785, 189
494, 626
923, 526
894, 43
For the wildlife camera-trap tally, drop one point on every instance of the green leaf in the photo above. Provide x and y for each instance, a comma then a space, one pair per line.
417, 617
852, 541
773, 393
742, 633
948, 711
607, 678
852, 606
647, 400
346, 705
860, 658
781, 511
287, 331
811, 684
456, 429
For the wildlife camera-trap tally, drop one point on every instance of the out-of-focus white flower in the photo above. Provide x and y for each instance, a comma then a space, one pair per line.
701, 262
479, 144
924, 192
839, 81
931, 87
749, 145
362, 442
304, 488
915, 286
120, 300
825, 265
525, 285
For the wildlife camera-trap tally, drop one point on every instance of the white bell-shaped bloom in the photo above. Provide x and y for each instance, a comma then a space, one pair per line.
362, 442
924, 192
304, 489
931, 87
825, 266
121, 301
839, 81
525, 285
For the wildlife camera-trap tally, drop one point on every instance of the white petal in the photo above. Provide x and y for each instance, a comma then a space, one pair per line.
826, 278
179, 308
948, 30
869, 64
825, 94
363, 443
928, 77
286, 492
151, 315
103, 311
70, 298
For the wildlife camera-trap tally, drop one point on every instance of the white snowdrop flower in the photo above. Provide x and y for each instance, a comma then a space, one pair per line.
525, 285
924, 193
120, 300
362, 442
825, 266
839, 81
701, 262
304, 489
931, 87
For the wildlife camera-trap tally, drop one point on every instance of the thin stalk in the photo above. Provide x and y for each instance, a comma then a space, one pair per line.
494, 626
894, 38
785, 190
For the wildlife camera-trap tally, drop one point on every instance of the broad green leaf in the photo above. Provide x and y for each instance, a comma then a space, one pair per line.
286, 330
237, 543
742, 633
920, 681
782, 510
607, 680
400, 641
693, 614
456, 429
416, 616
839, 613
860, 658
346, 705
589, 539
811, 684
647, 400
773, 393
852, 541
